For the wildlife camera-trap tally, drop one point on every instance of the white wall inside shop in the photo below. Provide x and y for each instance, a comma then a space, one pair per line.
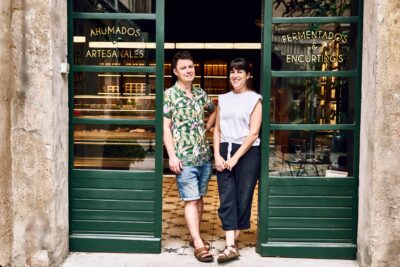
379, 190
36, 230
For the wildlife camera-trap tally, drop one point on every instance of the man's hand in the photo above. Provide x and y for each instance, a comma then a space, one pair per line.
175, 165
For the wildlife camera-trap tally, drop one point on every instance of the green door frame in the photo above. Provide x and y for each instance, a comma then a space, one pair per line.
112, 241
266, 245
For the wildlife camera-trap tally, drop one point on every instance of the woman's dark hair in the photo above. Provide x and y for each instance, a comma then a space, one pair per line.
240, 63
180, 55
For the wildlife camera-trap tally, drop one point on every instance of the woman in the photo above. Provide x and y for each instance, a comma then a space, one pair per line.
237, 154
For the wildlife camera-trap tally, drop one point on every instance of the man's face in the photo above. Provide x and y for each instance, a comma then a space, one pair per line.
184, 70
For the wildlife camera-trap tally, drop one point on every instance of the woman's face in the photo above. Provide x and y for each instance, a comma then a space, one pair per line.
238, 79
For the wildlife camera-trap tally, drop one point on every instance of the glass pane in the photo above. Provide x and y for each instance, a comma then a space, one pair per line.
115, 6
321, 100
314, 47
311, 153
114, 95
315, 8
114, 42
114, 147
215, 76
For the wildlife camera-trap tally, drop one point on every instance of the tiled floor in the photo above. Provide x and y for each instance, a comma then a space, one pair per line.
175, 237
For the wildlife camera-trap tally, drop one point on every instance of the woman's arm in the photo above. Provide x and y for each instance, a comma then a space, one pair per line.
219, 161
211, 120
255, 124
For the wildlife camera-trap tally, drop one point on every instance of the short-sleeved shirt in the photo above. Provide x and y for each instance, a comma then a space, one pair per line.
188, 126
234, 113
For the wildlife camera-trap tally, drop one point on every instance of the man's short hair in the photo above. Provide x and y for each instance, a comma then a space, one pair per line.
180, 55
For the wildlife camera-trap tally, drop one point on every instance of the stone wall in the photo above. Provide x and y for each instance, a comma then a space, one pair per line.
5, 123
379, 191
39, 134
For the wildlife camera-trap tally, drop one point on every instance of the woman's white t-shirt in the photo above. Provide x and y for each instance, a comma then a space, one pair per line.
234, 113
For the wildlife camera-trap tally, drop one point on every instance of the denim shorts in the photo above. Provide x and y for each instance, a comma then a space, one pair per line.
193, 181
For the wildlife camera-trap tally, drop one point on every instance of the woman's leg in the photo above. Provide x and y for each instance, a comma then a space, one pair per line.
247, 173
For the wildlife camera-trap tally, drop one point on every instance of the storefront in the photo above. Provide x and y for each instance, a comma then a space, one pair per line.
311, 123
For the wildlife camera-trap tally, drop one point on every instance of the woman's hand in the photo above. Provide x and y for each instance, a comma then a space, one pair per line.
175, 165
230, 163
219, 163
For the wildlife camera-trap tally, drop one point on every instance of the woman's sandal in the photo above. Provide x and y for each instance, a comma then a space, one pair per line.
203, 254
229, 253
206, 244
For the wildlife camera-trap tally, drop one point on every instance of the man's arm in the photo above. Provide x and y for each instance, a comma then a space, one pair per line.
175, 164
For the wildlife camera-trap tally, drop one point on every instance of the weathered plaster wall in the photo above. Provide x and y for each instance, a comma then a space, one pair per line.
39, 133
5, 124
379, 209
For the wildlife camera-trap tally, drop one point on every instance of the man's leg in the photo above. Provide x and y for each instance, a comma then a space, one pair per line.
193, 222
200, 207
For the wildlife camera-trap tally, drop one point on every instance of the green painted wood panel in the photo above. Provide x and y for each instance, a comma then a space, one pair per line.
114, 243
335, 212
115, 215
310, 240
321, 233
123, 194
303, 190
113, 184
116, 226
311, 201
298, 222
321, 250
101, 204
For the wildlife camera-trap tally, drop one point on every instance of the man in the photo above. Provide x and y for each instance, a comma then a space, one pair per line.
187, 146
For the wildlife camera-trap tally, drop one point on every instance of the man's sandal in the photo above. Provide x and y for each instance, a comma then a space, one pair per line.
206, 244
203, 254
229, 253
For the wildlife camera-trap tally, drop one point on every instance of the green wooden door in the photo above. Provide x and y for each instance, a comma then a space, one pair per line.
309, 182
116, 54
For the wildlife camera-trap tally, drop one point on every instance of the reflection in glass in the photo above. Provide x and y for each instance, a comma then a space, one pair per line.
114, 147
315, 8
114, 95
320, 100
121, 6
114, 42
311, 153
315, 47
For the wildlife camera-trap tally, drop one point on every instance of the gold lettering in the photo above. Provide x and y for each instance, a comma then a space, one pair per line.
338, 37
344, 40
110, 30
313, 35
308, 35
